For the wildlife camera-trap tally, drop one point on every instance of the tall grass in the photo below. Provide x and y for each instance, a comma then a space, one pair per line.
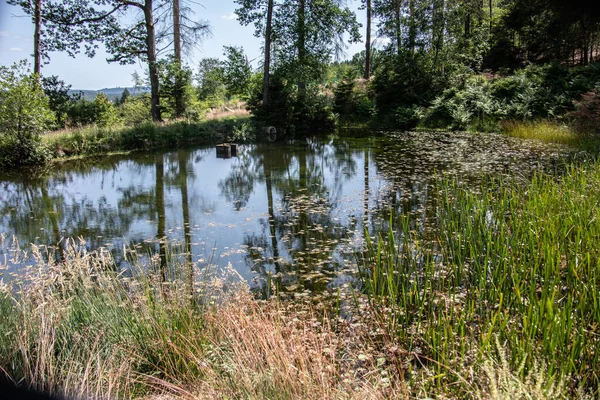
82, 329
518, 263
102, 140
542, 130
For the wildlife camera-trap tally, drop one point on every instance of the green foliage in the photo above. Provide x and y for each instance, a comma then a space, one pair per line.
124, 96
101, 112
135, 110
59, 98
211, 83
176, 83
481, 102
403, 81
237, 72
509, 261
104, 111
290, 112
24, 115
469, 107
351, 100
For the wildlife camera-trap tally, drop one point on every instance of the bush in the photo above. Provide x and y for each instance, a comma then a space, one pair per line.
351, 100
24, 114
403, 80
104, 111
586, 116
472, 106
135, 110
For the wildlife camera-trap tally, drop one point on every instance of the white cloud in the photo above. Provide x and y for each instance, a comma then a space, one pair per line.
3, 33
15, 49
229, 17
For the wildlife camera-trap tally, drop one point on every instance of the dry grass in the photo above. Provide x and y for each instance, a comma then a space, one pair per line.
264, 351
228, 112
79, 329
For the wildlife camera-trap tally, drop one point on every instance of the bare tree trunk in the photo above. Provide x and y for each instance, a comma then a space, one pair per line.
37, 19
438, 26
152, 66
412, 28
491, 15
267, 66
398, 28
179, 104
301, 42
177, 30
367, 74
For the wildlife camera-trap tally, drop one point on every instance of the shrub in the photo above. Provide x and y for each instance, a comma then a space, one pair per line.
135, 110
104, 111
351, 100
24, 114
586, 116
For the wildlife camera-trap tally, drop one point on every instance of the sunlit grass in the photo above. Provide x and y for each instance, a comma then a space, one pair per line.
541, 130
80, 328
518, 263
94, 140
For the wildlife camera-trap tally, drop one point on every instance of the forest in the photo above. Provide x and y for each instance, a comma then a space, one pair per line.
442, 64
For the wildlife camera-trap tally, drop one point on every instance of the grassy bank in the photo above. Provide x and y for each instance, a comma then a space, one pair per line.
97, 140
520, 265
80, 329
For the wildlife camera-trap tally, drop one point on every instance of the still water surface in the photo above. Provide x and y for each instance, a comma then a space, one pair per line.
296, 211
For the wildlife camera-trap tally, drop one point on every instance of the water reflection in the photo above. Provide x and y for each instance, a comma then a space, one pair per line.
288, 217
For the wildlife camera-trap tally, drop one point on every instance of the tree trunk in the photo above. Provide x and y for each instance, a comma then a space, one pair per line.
438, 26
467, 21
412, 28
152, 66
398, 28
267, 65
491, 15
367, 74
37, 19
177, 30
179, 103
301, 43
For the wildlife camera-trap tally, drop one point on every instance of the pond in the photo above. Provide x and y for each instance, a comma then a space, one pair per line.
291, 213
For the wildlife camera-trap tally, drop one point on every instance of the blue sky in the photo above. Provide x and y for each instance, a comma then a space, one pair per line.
16, 43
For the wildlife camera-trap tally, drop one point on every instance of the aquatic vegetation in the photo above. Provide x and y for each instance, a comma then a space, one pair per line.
518, 262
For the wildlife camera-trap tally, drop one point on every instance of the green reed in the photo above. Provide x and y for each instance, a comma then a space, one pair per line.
517, 262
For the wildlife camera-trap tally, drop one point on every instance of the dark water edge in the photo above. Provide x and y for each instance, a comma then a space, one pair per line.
286, 214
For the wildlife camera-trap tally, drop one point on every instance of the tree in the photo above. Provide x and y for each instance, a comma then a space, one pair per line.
211, 86
24, 114
307, 33
175, 87
186, 33
70, 25
367, 72
260, 12
236, 71
124, 96
58, 97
